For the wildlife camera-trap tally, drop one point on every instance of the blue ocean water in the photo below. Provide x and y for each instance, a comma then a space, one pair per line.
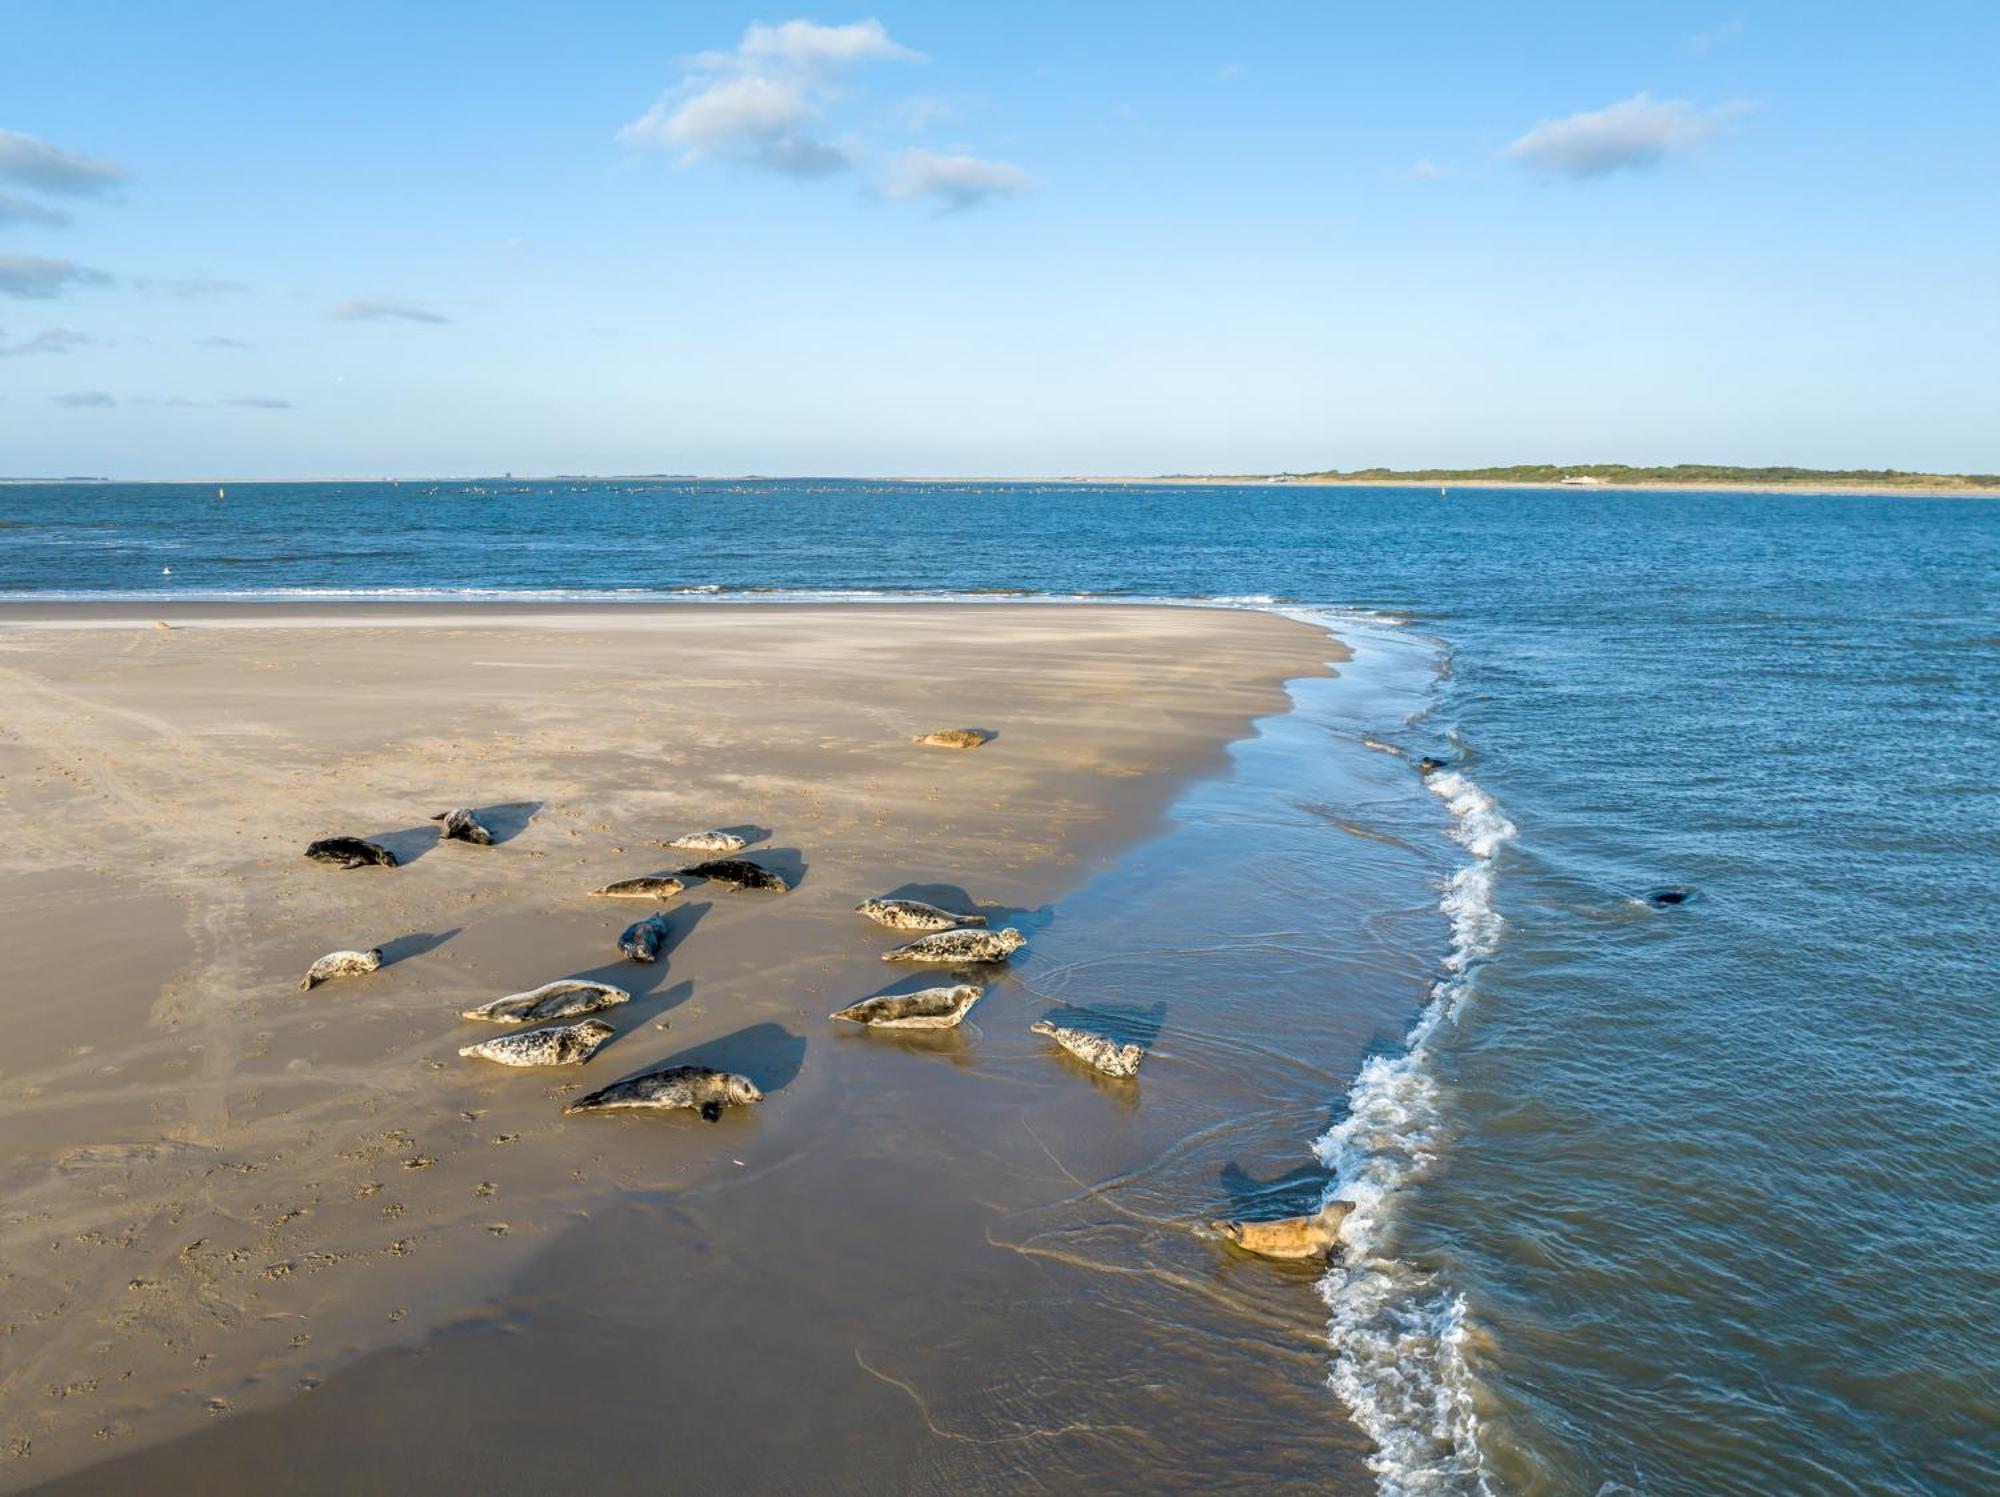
1689, 1200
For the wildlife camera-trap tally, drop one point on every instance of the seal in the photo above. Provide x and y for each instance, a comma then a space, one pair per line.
463, 826
954, 738
1428, 766
559, 1045
1094, 1050
652, 886
1664, 899
641, 940
341, 964
1296, 1238
933, 1008
552, 1000
960, 946
709, 842
739, 873
697, 1088
350, 852
913, 914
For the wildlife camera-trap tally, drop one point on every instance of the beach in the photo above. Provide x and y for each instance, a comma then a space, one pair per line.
245, 1220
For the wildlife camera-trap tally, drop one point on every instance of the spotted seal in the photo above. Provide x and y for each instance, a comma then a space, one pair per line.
947, 946
954, 738
739, 873
552, 1000
341, 964
641, 940
1094, 1050
651, 886
697, 1088
558, 1045
717, 841
913, 914
1296, 1238
463, 826
351, 852
933, 1008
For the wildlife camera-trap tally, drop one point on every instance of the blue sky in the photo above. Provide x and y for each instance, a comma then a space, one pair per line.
376, 239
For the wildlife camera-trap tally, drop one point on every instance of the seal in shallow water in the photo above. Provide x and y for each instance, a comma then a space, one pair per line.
652, 886
350, 852
697, 1088
960, 946
709, 842
1094, 1050
1295, 1238
341, 964
739, 873
552, 1000
913, 914
558, 1045
954, 738
641, 940
933, 1008
463, 826
1428, 766
1661, 899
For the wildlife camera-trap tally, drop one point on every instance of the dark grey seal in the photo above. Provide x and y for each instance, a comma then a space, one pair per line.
1429, 766
739, 873
641, 940
696, 1088
1663, 899
350, 852
463, 826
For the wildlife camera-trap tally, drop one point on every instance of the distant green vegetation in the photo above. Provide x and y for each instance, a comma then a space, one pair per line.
1684, 473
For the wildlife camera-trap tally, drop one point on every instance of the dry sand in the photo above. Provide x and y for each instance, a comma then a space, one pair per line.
220, 1190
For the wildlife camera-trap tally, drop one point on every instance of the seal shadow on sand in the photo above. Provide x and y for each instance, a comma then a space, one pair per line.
952, 897
642, 979
751, 835
508, 819
417, 943
410, 843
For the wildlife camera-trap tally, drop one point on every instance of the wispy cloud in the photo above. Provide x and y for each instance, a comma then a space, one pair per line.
48, 340
921, 111
190, 288
20, 210
38, 279
761, 104
1423, 169
1229, 72
372, 309
31, 162
1634, 134
216, 340
955, 182
85, 400
258, 402
1702, 43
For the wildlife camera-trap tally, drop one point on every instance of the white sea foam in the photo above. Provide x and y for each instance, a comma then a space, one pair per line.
1397, 1332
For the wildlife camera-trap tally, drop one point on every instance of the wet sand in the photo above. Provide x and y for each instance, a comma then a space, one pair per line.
263, 1240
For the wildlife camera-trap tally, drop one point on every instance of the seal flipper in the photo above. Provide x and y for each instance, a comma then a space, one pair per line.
711, 1111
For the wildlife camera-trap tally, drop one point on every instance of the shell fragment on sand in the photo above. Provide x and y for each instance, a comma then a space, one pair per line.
913, 914
463, 826
558, 1045
1094, 1050
642, 939
716, 841
351, 852
341, 964
1295, 1238
739, 873
648, 886
947, 946
954, 738
552, 1000
695, 1088
933, 1008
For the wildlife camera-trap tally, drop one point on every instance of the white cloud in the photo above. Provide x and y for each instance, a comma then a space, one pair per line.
760, 105
40, 279
19, 210
1425, 170
1631, 135
31, 162
957, 182
372, 309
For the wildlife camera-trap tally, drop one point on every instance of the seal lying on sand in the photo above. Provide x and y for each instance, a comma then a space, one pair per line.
933, 1008
956, 738
552, 1000
698, 1088
739, 873
641, 941
960, 946
341, 964
652, 886
1298, 1238
350, 852
709, 842
1094, 1050
463, 826
913, 914
559, 1045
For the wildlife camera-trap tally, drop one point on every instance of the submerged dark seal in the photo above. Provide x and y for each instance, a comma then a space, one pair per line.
463, 826
1429, 766
1662, 899
696, 1088
739, 873
351, 852
641, 940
